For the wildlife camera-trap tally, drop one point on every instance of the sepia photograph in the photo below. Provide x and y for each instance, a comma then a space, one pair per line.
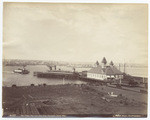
75, 60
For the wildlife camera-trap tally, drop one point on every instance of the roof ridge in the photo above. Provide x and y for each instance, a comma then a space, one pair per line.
109, 70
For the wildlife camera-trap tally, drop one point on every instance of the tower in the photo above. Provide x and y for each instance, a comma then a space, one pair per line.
104, 62
96, 64
111, 63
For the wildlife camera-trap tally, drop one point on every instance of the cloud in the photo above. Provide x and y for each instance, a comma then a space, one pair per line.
75, 32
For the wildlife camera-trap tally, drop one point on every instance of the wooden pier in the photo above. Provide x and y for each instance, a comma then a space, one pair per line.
58, 74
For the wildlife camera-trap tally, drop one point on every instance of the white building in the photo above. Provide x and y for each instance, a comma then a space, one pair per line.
105, 72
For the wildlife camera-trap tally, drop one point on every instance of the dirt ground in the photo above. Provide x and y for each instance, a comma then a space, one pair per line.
70, 100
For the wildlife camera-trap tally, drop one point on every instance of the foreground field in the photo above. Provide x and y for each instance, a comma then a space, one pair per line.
71, 100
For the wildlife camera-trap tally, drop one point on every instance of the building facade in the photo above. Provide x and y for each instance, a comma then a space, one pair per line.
105, 72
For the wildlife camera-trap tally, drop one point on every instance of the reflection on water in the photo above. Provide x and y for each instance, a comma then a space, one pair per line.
10, 78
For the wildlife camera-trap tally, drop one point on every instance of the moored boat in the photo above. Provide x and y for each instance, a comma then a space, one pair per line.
21, 71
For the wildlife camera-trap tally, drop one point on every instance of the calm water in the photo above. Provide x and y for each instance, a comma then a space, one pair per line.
136, 71
10, 78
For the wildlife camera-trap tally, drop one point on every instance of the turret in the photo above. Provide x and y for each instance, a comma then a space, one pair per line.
104, 62
111, 63
96, 64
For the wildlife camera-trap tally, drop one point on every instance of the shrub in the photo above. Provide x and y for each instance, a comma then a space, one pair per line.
32, 85
44, 84
132, 83
14, 85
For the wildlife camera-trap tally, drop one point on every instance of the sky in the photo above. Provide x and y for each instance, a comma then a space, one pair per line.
78, 32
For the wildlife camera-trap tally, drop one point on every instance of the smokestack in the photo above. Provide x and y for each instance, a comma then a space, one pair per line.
124, 67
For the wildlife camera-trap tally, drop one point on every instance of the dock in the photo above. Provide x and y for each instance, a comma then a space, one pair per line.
58, 74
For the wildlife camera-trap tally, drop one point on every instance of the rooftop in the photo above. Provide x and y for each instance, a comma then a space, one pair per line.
108, 70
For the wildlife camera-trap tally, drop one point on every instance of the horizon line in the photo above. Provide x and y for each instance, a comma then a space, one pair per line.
70, 61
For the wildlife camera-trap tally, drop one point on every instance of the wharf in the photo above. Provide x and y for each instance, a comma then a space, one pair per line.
58, 74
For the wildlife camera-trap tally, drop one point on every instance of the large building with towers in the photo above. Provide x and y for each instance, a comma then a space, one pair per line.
104, 71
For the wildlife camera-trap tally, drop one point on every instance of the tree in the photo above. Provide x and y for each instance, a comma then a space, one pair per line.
133, 83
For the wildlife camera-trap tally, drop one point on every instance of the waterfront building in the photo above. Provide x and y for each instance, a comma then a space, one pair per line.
105, 72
